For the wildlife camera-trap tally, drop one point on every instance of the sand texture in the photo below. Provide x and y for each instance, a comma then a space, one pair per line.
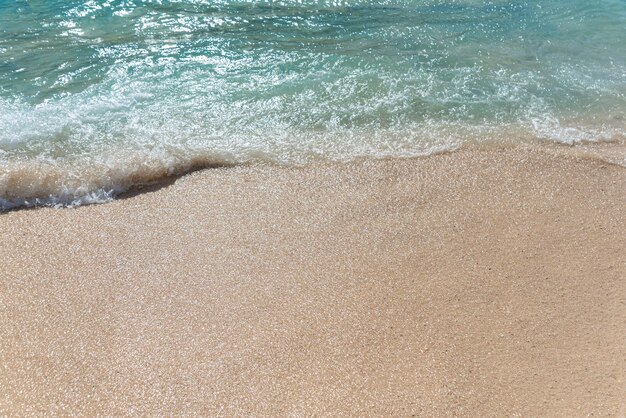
482, 282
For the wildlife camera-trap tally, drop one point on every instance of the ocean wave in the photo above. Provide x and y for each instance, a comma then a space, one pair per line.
98, 97
93, 179
98, 178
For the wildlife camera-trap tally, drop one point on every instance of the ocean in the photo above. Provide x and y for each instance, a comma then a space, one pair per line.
97, 97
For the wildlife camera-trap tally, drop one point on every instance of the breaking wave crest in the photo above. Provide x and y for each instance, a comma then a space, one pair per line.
90, 181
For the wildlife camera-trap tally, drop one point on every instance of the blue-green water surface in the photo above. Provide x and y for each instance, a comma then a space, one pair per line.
97, 96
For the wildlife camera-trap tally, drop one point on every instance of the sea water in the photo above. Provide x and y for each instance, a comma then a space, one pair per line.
98, 96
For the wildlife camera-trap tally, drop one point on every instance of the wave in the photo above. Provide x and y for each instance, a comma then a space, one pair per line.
92, 180
96, 98
98, 178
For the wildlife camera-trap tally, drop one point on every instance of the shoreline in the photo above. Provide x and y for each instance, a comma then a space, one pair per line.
473, 282
45, 186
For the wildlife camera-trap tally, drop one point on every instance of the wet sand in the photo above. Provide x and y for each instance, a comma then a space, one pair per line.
481, 282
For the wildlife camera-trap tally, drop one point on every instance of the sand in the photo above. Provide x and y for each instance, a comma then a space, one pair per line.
483, 282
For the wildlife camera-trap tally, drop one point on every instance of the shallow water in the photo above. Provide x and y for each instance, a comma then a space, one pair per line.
98, 96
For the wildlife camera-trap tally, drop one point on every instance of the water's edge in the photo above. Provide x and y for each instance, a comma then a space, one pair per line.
611, 153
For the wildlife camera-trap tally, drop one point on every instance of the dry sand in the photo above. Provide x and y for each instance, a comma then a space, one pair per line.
482, 282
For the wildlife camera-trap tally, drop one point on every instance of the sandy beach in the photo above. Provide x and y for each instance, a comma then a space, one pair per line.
476, 283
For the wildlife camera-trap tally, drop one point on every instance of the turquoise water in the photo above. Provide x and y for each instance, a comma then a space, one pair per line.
97, 96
